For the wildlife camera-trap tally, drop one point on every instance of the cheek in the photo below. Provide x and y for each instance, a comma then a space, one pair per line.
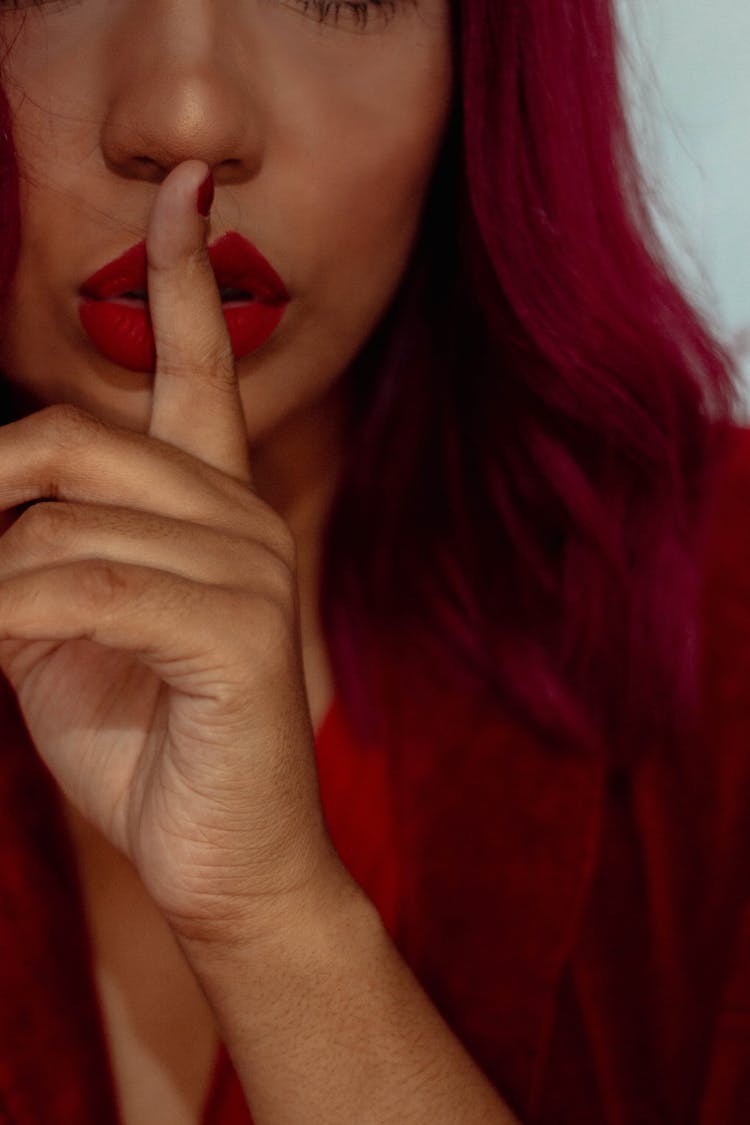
381, 176
368, 155
349, 138
377, 201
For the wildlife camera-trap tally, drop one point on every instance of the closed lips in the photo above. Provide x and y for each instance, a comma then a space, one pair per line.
242, 273
115, 314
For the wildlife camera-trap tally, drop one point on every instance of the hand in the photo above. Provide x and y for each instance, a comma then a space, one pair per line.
149, 620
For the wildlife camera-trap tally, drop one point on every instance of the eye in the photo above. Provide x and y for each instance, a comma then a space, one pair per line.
357, 12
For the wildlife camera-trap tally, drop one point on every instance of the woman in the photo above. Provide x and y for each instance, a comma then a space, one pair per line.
373, 541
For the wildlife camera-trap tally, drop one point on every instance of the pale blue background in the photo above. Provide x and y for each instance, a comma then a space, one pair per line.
687, 75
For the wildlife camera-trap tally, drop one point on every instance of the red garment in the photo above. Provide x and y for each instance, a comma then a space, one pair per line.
53, 1064
583, 927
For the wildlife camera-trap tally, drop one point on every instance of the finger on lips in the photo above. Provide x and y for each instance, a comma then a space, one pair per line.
142, 526
196, 399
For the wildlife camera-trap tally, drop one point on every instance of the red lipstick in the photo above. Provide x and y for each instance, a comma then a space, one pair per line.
115, 314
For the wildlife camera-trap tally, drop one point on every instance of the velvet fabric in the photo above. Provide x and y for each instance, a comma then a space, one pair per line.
583, 925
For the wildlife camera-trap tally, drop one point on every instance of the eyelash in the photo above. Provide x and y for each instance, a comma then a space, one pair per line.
358, 9
327, 10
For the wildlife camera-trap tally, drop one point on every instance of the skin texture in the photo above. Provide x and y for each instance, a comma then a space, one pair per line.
150, 615
321, 138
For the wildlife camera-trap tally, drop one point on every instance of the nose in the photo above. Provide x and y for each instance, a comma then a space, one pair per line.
178, 90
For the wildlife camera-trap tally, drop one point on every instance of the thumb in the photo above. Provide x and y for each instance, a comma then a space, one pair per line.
196, 400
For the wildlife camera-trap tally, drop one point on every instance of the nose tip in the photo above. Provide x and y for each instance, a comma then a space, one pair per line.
195, 106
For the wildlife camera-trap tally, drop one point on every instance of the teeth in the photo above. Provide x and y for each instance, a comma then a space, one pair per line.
228, 293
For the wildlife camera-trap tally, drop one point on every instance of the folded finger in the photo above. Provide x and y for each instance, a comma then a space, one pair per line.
51, 534
64, 453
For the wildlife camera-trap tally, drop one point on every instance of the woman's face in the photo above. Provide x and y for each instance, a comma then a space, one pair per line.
321, 122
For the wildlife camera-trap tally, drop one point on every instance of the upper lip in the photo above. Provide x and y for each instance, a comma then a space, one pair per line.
236, 263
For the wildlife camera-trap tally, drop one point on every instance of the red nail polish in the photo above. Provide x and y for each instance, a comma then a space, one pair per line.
205, 196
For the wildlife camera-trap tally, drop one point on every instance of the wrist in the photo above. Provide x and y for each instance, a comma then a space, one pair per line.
328, 909
265, 980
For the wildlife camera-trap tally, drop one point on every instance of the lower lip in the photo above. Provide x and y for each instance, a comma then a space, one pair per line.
124, 334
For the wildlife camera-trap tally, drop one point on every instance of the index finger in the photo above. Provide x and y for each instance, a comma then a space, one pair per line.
196, 399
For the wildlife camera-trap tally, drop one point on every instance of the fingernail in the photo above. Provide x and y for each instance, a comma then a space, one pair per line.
205, 196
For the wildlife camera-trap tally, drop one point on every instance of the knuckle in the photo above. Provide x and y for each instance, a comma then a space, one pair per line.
273, 532
46, 526
210, 357
69, 426
102, 582
269, 625
260, 523
285, 546
260, 564
279, 580
217, 360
